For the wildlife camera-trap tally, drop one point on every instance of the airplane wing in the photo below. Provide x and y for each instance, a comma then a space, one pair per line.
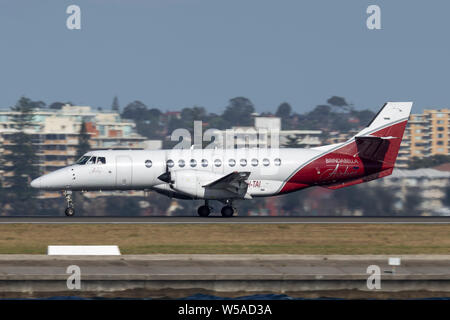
233, 182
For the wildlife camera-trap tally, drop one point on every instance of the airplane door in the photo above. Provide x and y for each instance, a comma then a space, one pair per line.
123, 171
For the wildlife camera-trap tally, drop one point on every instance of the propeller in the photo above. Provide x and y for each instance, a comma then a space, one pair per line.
166, 176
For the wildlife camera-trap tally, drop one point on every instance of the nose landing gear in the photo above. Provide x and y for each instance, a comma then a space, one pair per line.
70, 211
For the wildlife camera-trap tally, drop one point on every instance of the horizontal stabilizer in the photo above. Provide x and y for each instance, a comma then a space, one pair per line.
373, 148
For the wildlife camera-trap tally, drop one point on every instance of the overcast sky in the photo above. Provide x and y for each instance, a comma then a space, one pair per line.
180, 53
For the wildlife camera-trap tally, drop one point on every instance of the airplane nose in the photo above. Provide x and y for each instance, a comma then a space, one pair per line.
36, 183
55, 180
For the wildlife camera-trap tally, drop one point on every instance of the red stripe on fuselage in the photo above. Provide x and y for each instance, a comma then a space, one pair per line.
345, 163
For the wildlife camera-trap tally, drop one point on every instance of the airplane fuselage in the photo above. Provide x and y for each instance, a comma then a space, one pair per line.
139, 170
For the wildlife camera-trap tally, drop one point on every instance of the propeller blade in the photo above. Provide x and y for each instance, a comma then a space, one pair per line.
166, 177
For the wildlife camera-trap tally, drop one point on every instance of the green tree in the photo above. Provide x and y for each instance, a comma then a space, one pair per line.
189, 115
339, 102
364, 116
239, 112
284, 110
115, 104
148, 121
135, 110
83, 141
20, 159
56, 105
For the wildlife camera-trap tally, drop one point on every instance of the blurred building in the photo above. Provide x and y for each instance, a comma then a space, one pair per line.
427, 188
427, 134
55, 133
340, 137
267, 133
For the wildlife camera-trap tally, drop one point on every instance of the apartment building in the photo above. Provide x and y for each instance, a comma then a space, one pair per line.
55, 133
427, 134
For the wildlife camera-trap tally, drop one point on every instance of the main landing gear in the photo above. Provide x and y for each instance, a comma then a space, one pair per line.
227, 210
70, 211
205, 210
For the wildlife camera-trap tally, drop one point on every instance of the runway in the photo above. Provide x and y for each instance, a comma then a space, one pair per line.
221, 220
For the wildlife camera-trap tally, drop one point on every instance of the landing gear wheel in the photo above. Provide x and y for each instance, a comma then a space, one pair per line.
70, 212
227, 211
203, 211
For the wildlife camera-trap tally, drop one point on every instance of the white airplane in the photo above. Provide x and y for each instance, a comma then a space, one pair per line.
230, 174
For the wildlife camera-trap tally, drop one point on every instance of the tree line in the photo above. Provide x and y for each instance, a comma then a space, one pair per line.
335, 115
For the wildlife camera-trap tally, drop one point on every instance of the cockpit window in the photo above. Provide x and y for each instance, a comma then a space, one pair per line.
101, 160
92, 160
83, 160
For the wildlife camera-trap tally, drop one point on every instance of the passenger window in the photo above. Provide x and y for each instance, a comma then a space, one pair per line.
92, 160
193, 163
277, 162
204, 163
181, 163
266, 162
101, 160
217, 162
254, 162
170, 163
231, 162
243, 162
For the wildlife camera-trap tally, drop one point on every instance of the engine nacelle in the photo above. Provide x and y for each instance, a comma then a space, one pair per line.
191, 182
